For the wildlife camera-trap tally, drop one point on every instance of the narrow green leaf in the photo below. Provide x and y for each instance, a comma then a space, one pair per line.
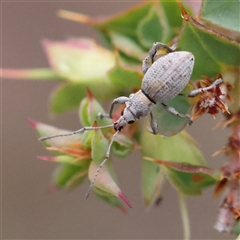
99, 146
30, 74
222, 13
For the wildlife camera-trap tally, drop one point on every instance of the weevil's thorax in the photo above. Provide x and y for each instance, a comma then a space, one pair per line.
168, 76
138, 106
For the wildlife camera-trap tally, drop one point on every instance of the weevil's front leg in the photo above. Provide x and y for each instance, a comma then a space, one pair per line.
153, 125
120, 100
200, 90
148, 61
176, 113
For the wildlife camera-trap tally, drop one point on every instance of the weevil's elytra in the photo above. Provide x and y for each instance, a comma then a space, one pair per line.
163, 80
167, 77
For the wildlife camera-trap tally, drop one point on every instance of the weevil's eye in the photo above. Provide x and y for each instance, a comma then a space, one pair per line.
122, 112
131, 122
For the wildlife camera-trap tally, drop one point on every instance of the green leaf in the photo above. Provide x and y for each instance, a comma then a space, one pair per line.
79, 60
126, 45
47, 130
193, 179
153, 178
213, 53
150, 29
190, 183
222, 13
122, 146
125, 23
179, 148
69, 176
89, 110
109, 198
161, 24
68, 96
124, 77
236, 229
153, 182
99, 146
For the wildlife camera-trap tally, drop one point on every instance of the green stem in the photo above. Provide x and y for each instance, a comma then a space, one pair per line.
184, 215
30, 74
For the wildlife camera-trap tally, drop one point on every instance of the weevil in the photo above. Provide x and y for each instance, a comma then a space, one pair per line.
163, 80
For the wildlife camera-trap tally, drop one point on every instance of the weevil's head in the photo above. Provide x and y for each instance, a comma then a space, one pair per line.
126, 118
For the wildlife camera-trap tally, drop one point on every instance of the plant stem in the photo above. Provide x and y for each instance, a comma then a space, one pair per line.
184, 215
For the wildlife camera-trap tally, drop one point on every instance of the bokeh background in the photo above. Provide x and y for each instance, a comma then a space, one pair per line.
28, 210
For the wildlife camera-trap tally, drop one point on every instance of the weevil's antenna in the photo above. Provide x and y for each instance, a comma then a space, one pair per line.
101, 165
75, 132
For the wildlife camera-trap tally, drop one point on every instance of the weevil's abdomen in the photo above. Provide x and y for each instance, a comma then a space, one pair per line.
168, 76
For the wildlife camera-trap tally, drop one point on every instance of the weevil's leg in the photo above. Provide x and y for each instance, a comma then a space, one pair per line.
120, 100
156, 46
101, 165
103, 115
176, 113
200, 90
153, 125
148, 61
74, 132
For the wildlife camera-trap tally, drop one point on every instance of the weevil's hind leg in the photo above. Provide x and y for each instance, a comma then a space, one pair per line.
200, 90
156, 46
101, 165
153, 125
176, 113
149, 60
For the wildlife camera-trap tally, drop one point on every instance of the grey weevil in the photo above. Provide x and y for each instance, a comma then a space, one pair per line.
163, 80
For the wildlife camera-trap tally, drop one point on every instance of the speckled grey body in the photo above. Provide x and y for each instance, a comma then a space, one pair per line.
168, 76
162, 81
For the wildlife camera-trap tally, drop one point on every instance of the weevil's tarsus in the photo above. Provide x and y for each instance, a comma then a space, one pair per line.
101, 165
195, 92
103, 115
75, 132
